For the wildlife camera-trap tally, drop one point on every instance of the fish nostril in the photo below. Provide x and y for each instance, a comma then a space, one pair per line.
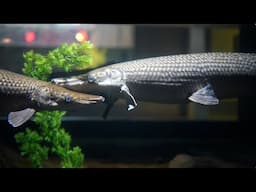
91, 79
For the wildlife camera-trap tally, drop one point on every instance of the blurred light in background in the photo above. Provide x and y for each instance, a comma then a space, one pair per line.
52, 35
30, 36
81, 36
6, 40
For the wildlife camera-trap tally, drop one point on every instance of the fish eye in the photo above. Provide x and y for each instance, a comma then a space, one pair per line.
68, 98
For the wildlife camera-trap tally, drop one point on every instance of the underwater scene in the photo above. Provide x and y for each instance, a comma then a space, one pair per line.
127, 95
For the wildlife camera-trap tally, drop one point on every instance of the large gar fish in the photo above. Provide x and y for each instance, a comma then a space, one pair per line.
203, 78
19, 92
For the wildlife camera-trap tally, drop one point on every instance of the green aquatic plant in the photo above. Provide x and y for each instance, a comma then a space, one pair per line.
31, 146
66, 57
49, 137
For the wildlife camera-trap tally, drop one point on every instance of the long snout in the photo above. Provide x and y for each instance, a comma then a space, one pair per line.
88, 99
70, 96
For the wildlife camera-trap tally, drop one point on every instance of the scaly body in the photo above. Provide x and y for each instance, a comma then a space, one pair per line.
202, 77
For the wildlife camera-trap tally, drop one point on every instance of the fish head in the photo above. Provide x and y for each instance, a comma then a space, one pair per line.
114, 77
106, 77
53, 94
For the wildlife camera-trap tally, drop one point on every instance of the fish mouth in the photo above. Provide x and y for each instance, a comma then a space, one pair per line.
90, 100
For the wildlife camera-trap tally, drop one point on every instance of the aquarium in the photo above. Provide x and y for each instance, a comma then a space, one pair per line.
112, 95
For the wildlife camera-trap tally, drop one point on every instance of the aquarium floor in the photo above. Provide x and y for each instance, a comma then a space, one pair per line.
10, 158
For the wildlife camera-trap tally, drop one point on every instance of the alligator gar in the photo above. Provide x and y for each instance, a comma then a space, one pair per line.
18, 91
204, 78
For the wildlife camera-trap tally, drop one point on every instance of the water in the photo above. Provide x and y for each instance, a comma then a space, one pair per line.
152, 135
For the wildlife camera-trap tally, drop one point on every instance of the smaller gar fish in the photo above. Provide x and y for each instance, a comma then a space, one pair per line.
203, 78
19, 92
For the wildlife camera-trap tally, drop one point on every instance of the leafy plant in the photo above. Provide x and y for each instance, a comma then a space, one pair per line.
31, 146
65, 57
49, 137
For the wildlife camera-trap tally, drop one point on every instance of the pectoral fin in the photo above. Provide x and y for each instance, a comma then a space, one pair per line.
47, 102
131, 100
205, 96
17, 118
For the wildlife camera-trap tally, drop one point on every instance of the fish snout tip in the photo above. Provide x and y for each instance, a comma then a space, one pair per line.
97, 98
